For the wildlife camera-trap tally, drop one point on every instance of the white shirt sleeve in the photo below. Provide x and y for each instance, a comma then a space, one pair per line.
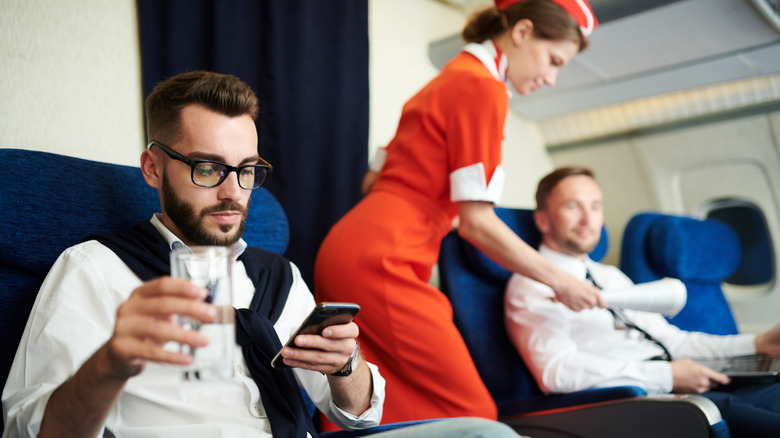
379, 159
680, 343
685, 344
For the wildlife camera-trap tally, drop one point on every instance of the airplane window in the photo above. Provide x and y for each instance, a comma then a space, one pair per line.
747, 219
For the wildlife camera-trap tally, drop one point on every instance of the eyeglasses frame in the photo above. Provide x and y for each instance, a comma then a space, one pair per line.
192, 163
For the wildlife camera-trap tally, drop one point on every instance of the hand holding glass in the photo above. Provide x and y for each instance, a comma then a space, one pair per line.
209, 267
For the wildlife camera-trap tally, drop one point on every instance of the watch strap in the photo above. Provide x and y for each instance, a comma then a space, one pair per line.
351, 364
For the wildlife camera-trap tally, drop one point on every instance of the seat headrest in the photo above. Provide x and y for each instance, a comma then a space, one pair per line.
692, 249
71, 198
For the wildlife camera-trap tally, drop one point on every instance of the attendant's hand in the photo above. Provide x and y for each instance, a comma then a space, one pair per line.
690, 377
578, 295
368, 181
326, 353
148, 320
769, 342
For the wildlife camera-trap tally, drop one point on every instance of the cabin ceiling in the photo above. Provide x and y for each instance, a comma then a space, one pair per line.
646, 48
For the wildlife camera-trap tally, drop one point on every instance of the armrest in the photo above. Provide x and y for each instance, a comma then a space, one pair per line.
574, 399
669, 416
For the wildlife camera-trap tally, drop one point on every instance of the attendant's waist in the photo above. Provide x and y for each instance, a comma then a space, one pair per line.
441, 218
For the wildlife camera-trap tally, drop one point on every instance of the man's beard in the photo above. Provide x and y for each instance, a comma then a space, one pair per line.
190, 223
577, 247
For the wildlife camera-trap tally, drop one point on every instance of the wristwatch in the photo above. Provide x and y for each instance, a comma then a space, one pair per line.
350, 365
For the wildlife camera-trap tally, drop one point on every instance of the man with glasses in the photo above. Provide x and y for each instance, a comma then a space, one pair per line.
96, 356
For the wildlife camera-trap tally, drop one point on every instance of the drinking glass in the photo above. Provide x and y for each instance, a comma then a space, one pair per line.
209, 267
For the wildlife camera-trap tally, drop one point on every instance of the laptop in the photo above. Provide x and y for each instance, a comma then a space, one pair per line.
746, 370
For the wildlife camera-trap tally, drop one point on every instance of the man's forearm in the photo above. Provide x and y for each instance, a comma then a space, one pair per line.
353, 394
79, 407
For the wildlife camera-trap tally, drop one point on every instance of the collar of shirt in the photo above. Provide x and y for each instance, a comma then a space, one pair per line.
569, 264
174, 242
488, 54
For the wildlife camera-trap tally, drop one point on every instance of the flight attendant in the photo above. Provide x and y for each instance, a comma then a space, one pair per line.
445, 163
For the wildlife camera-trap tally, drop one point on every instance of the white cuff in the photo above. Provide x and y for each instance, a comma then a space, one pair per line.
371, 416
469, 184
379, 159
659, 376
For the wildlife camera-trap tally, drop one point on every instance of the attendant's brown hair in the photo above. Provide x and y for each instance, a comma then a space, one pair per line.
551, 22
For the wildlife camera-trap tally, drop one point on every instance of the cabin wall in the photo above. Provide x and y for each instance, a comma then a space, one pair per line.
71, 78
399, 32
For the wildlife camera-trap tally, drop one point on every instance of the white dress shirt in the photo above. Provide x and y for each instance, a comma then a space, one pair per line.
568, 351
74, 314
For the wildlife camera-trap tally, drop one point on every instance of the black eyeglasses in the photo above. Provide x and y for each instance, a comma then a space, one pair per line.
213, 173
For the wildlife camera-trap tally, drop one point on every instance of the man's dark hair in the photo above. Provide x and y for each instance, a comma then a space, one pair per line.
221, 93
548, 183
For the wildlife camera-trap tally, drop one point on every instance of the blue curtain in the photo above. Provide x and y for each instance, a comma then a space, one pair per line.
307, 60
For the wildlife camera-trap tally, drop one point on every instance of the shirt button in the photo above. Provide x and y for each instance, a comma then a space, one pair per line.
259, 411
240, 369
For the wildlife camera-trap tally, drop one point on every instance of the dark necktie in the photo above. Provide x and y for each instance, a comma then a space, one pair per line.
625, 321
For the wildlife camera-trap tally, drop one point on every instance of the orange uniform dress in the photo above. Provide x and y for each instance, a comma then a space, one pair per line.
381, 253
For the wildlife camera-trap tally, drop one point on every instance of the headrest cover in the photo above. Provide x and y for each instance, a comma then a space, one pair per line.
692, 249
579, 9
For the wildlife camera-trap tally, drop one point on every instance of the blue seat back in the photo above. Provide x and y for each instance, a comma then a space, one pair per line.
50, 202
701, 253
475, 286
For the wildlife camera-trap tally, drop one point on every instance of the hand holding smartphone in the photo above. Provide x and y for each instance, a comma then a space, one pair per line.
323, 315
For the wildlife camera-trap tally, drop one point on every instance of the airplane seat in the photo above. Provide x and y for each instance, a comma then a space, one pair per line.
475, 286
477, 296
701, 253
50, 202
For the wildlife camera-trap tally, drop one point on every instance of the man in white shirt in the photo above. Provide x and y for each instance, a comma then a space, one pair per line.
568, 351
97, 356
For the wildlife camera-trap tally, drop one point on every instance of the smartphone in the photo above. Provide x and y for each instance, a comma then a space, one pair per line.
323, 315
